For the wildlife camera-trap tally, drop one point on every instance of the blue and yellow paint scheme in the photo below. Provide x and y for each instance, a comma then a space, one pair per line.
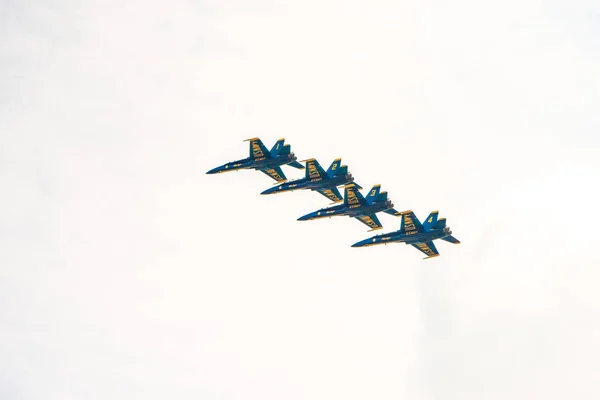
268, 162
319, 180
420, 236
359, 207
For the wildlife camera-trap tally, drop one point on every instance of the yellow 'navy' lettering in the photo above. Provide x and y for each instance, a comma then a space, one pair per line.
367, 220
408, 224
425, 249
352, 199
312, 170
256, 150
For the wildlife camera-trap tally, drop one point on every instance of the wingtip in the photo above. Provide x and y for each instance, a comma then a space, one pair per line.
432, 256
405, 212
254, 138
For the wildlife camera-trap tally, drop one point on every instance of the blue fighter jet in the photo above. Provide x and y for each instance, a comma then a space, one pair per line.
317, 179
420, 236
268, 162
359, 207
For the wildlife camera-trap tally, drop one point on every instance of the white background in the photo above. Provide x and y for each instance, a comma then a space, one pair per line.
127, 272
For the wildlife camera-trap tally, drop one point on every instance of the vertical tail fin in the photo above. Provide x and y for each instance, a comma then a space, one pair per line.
440, 224
343, 170
383, 196
334, 167
431, 220
373, 194
278, 147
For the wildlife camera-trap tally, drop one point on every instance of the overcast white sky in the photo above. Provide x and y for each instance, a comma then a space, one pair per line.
126, 272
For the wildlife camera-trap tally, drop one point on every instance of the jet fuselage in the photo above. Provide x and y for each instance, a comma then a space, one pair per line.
397, 237
255, 163
354, 210
311, 183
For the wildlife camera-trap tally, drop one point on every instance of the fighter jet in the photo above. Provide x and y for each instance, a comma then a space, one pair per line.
359, 207
317, 179
420, 236
268, 162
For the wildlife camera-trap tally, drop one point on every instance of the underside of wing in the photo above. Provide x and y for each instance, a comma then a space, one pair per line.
257, 148
275, 173
371, 221
427, 248
352, 196
314, 169
410, 223
332, 194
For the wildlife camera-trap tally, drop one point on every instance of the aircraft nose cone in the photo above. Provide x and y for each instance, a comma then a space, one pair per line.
270, 190
304, 217
214, 171
362, 243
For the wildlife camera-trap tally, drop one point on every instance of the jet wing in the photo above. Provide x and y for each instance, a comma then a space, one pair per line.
314, 169
427, 248
371, 221
352, 195
275, 173
257, 148
410, 223
332, 194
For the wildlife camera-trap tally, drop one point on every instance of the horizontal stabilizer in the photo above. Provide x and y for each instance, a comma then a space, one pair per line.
451, 239
393, 212
296, 164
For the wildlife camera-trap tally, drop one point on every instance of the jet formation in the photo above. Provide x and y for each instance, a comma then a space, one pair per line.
355, 204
